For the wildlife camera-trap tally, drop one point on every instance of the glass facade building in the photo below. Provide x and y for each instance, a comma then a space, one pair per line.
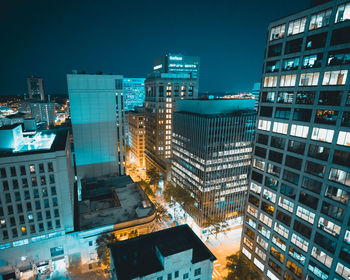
212, 147
133, 93
297, 222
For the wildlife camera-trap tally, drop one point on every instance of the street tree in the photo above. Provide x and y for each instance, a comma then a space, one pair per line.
147, 189
161, 212
240, 269
102, 250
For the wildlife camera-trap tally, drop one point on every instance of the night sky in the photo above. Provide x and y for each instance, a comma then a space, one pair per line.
50, 38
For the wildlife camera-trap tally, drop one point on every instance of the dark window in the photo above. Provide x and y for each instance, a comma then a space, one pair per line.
332, 211
260, 152
5, 185
312, 185
308, 200
271, 183
15, 184
282, 217
340, 36
288, 191
197, 272
253, 200
345, 120
262, 139
50, 166
257, 176
275, 156
3, 172
317, 41
318, 152
249, 233
268, 96
302, 229
330, 98
282, 113
345, 254
291, 177
303, 115
272, 66
13, 171
341, 158
24, 183
41, 168
326, 116
293, 162
161, 91
293, 46
274, 50
296, 147
325, 242
277, 268
339, 57
265, 111
315, 168
305, 97
278, 142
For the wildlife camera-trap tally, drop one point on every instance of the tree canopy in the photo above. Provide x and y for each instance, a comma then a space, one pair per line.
239, 268
102, 250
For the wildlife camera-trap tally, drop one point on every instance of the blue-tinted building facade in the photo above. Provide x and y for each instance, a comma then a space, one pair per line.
133, 93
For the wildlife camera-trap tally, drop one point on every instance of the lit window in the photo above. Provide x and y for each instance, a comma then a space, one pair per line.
277, 32
247, 253
258, 264
343, 138
270, 81
309, 79
299, 131
264, 125
322, 134
279, 127
288, 80
320, 19
335, 77
343, 13
296, 26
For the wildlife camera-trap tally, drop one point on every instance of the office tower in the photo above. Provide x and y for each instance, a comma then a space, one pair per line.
174, 253
162, 91
97, 124
256, 93
43, 111
36, 187
297, 220
35, 88
212, 148
133, 92
177, 63
137, 130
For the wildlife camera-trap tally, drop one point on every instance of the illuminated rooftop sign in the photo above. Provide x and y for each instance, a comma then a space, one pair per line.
172, 57
157, 67
34, 143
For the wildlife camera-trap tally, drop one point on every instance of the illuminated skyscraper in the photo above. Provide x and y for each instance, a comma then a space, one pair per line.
97, 125
137, 130
297, 224
162, 91
177, 63
35, 88
43, 111
212, 148
133, 92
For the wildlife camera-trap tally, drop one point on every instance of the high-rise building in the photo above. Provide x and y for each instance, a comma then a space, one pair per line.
97, 120
133, 93
36, 186
297, 223
35, 88
43, 111
174, 253
212, 148
162, 91
177, 63
137, 130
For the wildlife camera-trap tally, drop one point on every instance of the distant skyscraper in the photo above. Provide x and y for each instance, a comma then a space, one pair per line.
35, 88
97, 125
256, 93
133, 92
137, 130
162, 91
212, 149
43, 111
297, 224
177, 63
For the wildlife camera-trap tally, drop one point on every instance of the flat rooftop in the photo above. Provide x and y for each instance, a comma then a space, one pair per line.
137, 257
112, 200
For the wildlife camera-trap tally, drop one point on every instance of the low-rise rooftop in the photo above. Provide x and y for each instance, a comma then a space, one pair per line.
112, 200
139, 256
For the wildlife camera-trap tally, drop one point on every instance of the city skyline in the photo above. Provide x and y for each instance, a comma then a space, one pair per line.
128, 37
